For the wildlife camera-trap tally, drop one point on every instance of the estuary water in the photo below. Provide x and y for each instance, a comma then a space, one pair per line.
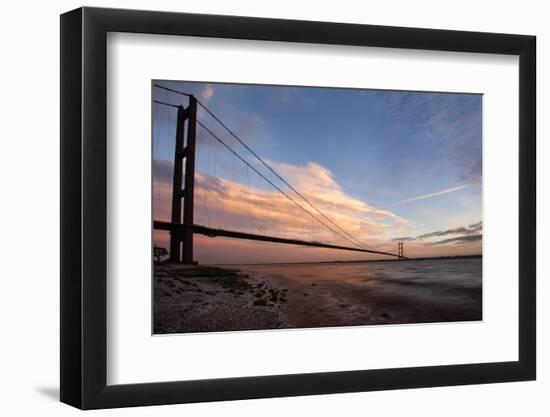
364, 293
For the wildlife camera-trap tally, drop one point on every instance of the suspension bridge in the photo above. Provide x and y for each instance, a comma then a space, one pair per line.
219, 186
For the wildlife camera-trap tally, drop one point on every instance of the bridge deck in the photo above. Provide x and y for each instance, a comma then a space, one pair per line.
207, 231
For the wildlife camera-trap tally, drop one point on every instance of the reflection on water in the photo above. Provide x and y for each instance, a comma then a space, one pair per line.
339, 294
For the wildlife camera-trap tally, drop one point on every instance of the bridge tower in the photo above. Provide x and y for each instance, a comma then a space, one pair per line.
400, 251
181, 241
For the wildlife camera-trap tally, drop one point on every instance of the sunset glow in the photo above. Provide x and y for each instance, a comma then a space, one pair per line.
383, 166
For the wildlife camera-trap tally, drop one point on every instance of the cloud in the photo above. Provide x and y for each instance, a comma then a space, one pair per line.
249, 126
207, 92
476, 226
465, 234
162, 170
403, 239
473, 228
318, 185
458, 240
465, 148
289, 96
454, 120
437, 193
223, 203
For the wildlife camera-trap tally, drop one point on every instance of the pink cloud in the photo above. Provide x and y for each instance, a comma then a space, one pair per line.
225, 204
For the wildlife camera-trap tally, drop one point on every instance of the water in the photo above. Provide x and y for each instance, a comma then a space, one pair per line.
341, 294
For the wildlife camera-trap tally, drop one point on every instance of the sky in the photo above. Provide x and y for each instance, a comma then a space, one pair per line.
382, 166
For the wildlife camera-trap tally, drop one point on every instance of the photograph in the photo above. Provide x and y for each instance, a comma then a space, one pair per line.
286, 207
259, 204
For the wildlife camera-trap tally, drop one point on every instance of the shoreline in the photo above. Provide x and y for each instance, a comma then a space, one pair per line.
196, 299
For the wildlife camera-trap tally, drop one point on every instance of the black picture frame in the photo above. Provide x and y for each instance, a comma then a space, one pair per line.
84, 207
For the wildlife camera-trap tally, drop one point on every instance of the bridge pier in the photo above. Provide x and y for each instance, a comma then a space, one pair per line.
400, 251
181, 242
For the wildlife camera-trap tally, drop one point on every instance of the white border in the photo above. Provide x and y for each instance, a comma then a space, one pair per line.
135, 356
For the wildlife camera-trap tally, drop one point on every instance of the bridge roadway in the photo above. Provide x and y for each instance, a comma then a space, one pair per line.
210, 232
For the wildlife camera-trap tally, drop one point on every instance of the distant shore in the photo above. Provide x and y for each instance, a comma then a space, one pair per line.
430, 258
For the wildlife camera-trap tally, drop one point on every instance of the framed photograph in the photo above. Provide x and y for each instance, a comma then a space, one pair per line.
258, 208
